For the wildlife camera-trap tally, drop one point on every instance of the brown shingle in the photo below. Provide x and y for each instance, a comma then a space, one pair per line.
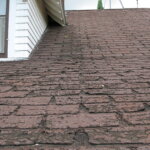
86, 87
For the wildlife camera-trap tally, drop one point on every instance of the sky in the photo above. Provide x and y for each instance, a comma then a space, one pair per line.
92, 4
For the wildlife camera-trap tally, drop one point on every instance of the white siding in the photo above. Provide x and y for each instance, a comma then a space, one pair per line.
31, 22
28, 21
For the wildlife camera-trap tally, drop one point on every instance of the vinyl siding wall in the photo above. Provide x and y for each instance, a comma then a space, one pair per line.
31, 22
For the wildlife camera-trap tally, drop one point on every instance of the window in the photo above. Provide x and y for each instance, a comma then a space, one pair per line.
3, 7
3, 10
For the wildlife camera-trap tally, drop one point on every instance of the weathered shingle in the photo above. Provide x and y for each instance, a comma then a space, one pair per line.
86, 86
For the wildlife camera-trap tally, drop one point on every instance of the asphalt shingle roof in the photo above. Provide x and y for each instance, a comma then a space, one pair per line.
87, 86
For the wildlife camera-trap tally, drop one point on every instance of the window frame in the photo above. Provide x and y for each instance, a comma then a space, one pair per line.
5, 54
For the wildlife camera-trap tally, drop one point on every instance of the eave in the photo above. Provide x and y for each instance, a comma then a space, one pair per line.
55, 9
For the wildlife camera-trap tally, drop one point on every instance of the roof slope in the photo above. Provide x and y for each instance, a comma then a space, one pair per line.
86, 87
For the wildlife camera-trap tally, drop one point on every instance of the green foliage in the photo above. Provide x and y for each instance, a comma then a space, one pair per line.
100, 4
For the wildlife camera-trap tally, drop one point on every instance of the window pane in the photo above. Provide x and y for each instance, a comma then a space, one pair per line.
3, 7
2, 34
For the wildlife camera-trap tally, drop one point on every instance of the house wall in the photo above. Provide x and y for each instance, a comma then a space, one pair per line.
30, 21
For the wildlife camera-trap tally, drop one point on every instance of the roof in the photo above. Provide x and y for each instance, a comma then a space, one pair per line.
87, 86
